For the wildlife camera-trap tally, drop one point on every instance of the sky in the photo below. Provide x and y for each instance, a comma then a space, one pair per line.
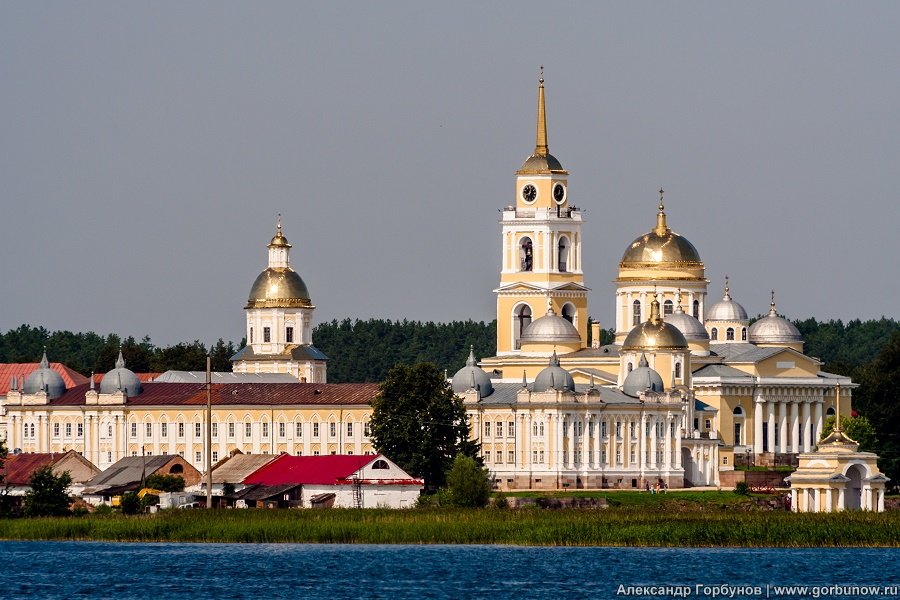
146, 149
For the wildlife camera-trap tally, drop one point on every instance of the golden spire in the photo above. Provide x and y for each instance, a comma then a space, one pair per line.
654, 310
540, 146
837, 437
661, 227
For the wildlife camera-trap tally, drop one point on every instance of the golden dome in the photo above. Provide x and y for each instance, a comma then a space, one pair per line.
655, 334
661, 247
279, 241
278, 288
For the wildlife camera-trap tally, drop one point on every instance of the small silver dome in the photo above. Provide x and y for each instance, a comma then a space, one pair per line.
726, 309
642, 379
472, 376
45, 378
554, 377
774, 329
550, 329
692, 329
122, 379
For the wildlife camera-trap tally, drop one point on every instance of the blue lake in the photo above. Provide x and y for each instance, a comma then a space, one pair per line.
189, 571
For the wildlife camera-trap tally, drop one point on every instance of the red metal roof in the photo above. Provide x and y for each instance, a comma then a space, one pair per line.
142, 377
329, 469
224, 394
19, 467
23, 370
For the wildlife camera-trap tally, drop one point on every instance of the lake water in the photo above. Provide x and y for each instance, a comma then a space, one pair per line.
189, 571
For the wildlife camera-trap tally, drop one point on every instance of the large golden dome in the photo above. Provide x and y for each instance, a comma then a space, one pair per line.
661, 247
655, 334
278, 288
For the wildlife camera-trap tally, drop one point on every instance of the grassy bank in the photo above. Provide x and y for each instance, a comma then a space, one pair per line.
610, 527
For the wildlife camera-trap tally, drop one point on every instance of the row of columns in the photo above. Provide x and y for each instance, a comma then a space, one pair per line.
797, 417
811, 499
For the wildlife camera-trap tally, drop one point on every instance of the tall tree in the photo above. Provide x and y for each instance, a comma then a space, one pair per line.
876, 399
419, 423
47, 496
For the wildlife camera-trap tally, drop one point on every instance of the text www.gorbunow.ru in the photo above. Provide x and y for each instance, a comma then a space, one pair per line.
759, 591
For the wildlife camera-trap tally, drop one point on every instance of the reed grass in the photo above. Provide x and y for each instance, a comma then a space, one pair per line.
609, 527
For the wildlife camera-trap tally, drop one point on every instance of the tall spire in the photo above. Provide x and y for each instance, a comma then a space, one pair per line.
540, 146
727, 290
772, 312
661, 227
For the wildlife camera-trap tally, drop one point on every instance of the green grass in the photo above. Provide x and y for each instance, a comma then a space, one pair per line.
607, 527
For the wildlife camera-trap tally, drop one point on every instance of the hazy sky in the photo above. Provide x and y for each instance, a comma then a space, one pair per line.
146, 148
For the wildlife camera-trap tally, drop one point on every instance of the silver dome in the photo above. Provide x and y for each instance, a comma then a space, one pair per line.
45, 378
692, 329
550, 329
554, 377
122, 379
726, 309
642, 379
472, 376
774, 329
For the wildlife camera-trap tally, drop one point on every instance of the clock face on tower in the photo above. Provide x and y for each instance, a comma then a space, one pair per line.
529, 193
559, 193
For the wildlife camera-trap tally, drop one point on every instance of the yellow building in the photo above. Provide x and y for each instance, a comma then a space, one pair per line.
749, 393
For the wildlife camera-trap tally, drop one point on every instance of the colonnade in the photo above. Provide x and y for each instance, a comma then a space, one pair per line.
822, 499
798, 424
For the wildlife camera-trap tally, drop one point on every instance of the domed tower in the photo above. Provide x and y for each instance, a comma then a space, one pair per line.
660, 262
541, 248
659, 343
549, 333
642, 379
472, 377
726, 320
46, 380
120, 379
775, 330
690, 327
553, 378
279, 321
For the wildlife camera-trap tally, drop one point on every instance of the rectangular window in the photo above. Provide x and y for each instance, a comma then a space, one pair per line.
708, 426
618, 456
499, 428
267, 334
299, 430
215, 456
56, 430
289, 335
591, 429
68, 430
315, 452
349, 430
181, 430
367, 429
109, 431
315, 430
134, 452
603, 456
149, 428
248, 430
511, 457
580, 428
109, 457
281, 430
164, 429
198, 457
215, 430
265, 429
231, 430
251, 335
602, 428
332, 429
618, 429
511, 429
724, 460
633, 430
540, 457
197, 431
487, 429
633, 457
149, 453
534, 456
499, 457
134, 430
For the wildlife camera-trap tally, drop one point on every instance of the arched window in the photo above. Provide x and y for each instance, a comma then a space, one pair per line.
829, 412
678, 369
743, 334
176, 469
521, 320
525, 254
668, 308
629, 367
738, 411
636, 312
562, 254
568, 313
380, 464
714, 334
696, 309
729, 334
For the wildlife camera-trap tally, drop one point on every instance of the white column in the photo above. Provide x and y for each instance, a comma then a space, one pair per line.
571, 445
758, 426
828, 500
558, 441
866, 498
770, 434
807, 424
598, 441
783, 427
642, 442
880, 505
678, 464
818, 420
794, 507
840, 499
667, 452
795, 427
814, 500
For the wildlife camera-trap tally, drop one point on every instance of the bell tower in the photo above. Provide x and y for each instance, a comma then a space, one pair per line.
541, 247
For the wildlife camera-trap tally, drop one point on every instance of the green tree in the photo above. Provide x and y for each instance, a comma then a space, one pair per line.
419, 423
47, 496
165, 483
857, 428
130, 504
876, 399
468, 482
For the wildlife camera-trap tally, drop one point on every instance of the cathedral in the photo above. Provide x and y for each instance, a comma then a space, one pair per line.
688, 389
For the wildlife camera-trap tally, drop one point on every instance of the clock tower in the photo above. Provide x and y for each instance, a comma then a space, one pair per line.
541, 246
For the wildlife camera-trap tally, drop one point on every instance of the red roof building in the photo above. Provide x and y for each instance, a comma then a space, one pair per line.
22, 370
